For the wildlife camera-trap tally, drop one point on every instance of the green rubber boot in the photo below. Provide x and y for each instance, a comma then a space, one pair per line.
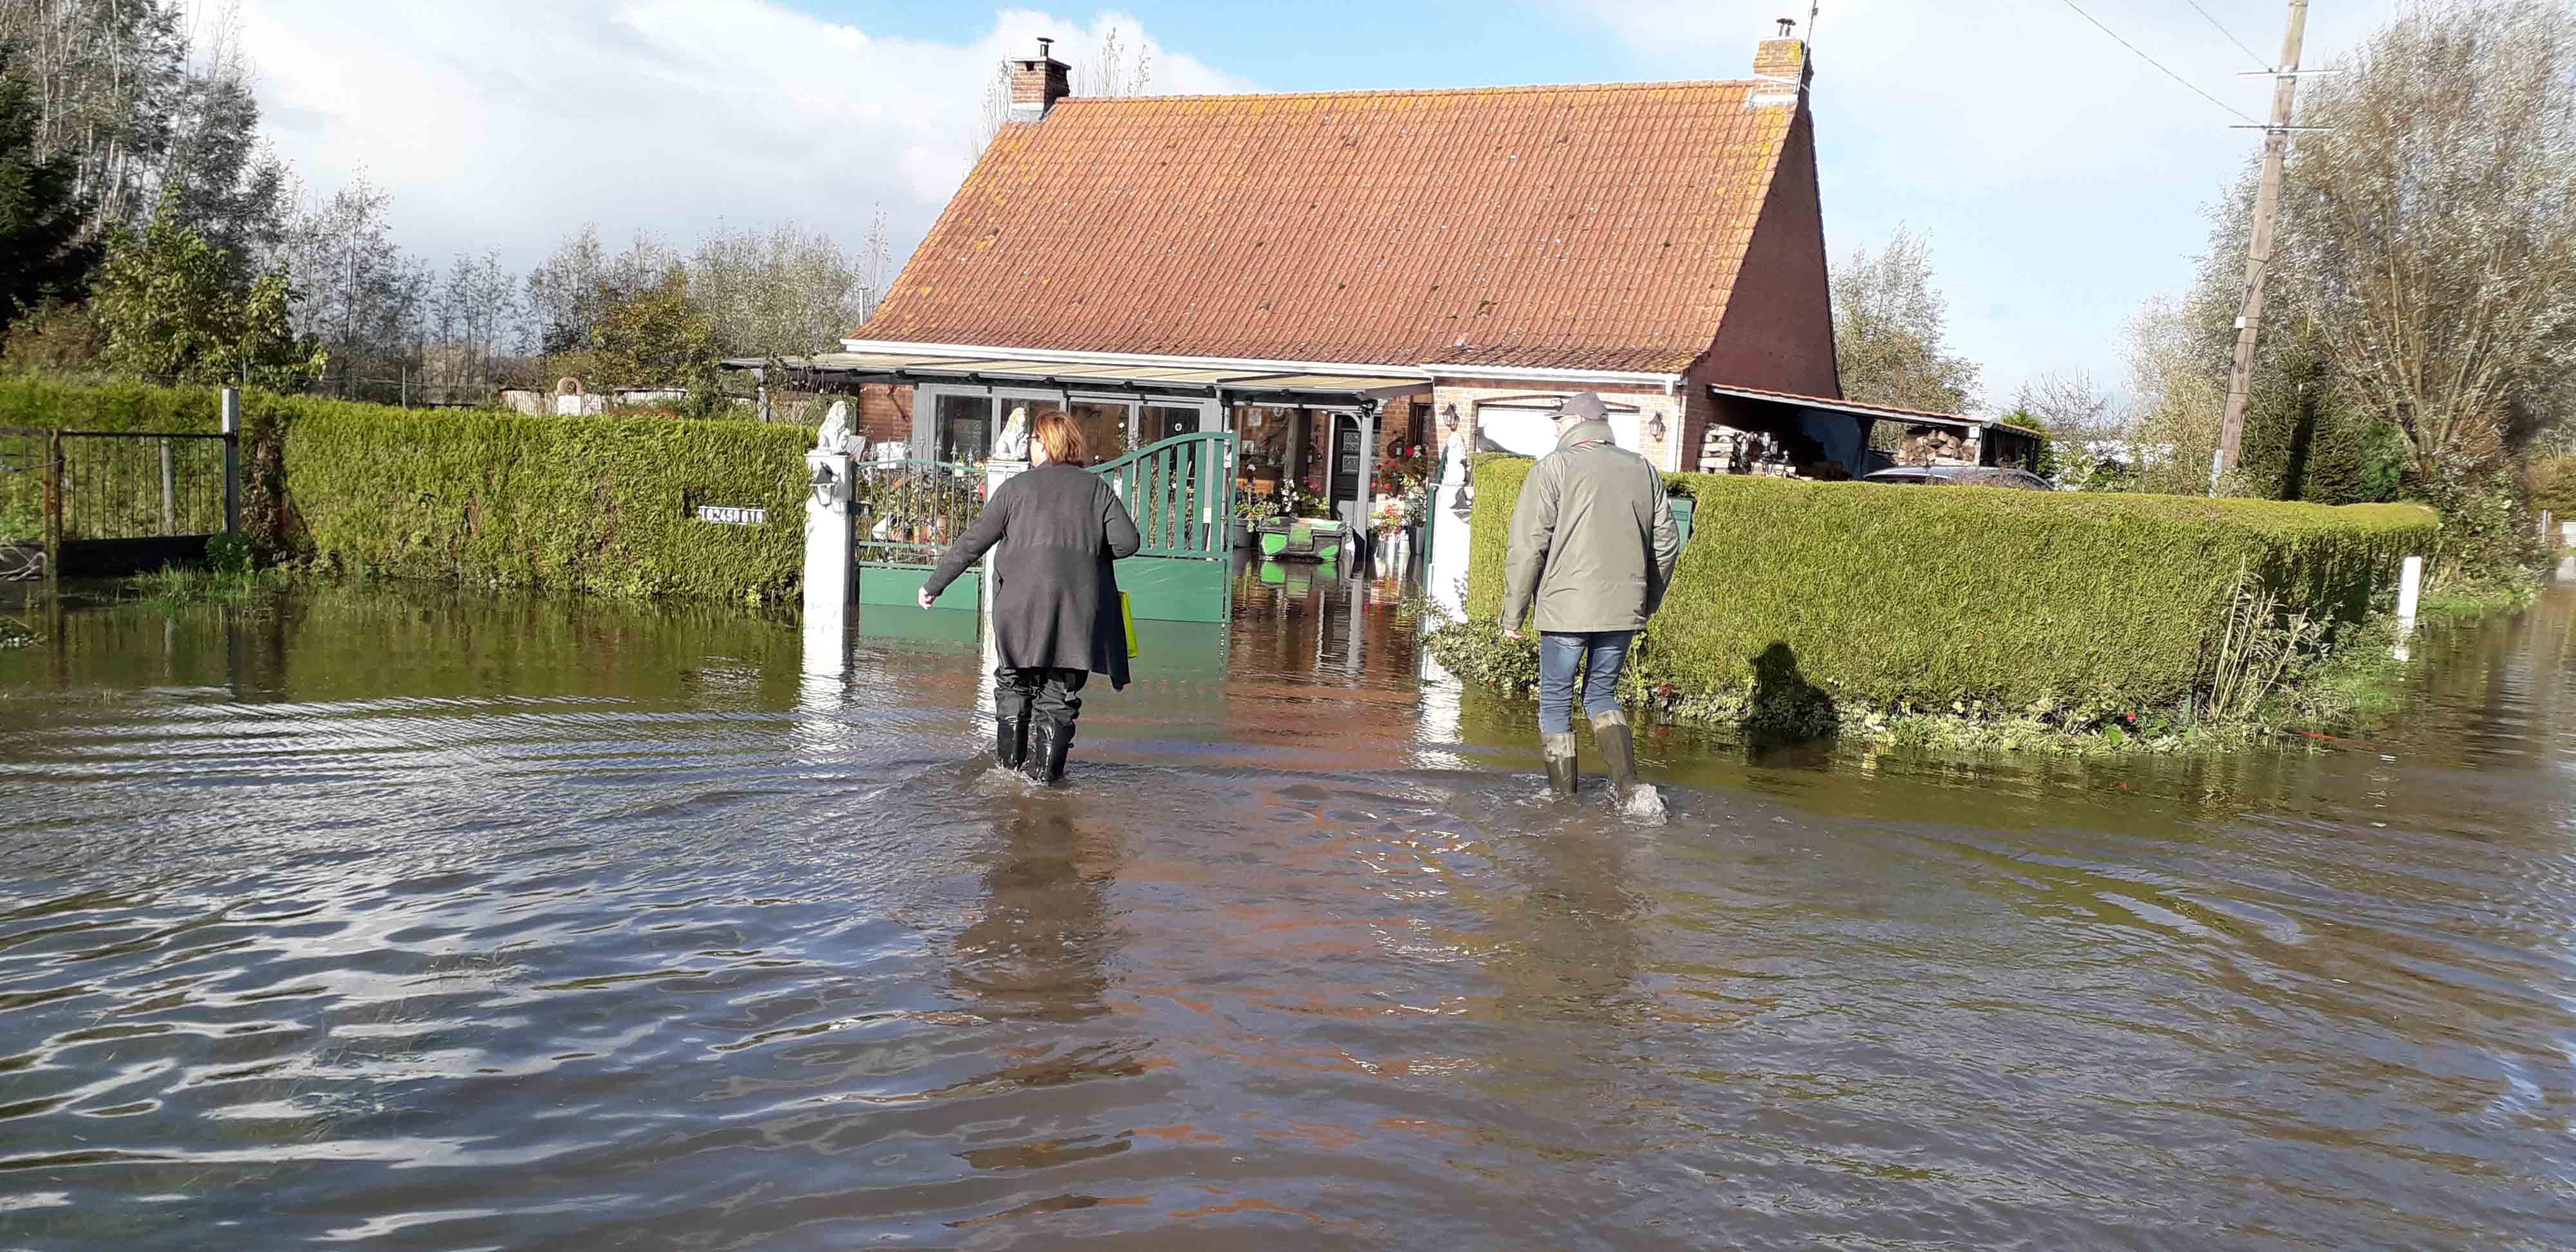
1559, 750
1618, 746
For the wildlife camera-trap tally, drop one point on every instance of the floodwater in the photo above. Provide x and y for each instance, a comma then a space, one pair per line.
415, 918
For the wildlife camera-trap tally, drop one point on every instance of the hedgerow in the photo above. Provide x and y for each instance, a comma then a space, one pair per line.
477, 496
586, 503
1793, 596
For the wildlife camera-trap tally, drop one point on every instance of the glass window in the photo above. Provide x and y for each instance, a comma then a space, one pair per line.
1163, 421
1316, 429
963, 428
1261, 436
1104, 427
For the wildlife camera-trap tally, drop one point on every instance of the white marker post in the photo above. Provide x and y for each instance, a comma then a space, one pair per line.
2410, 592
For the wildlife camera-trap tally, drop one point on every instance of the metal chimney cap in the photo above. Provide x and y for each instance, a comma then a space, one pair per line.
1786, 24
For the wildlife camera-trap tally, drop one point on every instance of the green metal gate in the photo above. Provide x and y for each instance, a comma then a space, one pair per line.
1181, 493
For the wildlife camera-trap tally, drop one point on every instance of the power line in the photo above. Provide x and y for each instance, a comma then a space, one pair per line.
2115, 37
2231, 36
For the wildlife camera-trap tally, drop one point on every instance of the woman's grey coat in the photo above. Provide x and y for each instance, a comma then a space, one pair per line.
1054, 591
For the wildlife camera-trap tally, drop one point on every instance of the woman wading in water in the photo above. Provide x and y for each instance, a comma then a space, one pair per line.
1056, 619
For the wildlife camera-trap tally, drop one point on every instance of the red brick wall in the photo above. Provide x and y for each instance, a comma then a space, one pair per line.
1779, 329
885, 413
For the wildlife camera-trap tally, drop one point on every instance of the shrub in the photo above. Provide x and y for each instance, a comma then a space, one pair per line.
2552, 483
49, 402
2076, 605
588, 503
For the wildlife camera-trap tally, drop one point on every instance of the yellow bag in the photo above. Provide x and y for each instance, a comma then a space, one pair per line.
1127, 609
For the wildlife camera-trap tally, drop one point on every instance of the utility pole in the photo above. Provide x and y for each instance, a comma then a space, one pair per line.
2258, 256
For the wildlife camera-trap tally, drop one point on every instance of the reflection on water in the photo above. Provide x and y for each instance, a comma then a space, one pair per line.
445, 920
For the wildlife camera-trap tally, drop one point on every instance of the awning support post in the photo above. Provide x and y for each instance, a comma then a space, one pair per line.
1363, 535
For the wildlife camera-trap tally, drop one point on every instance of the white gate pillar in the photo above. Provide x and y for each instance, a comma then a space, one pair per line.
831, 580
1444, 576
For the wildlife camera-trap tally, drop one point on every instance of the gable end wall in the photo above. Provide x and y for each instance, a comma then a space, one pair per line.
1778, 333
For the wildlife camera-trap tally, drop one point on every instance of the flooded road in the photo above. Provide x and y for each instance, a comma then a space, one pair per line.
416, 918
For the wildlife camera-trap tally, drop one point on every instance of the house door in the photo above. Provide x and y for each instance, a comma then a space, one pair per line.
1346, 458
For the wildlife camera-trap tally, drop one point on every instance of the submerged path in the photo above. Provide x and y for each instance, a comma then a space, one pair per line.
441, 920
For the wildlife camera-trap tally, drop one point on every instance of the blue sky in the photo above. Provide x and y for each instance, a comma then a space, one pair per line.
2060, 178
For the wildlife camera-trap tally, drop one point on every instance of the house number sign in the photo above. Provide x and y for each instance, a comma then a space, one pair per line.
728, 515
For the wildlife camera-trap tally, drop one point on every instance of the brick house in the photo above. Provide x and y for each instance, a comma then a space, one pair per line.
1336, 275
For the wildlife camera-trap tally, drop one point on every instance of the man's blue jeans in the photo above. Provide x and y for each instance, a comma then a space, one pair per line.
1598, 656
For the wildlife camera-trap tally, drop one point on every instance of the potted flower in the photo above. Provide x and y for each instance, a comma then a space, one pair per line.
1250, 511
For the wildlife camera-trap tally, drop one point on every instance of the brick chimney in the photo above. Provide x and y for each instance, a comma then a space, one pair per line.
1037, 83
1783, 58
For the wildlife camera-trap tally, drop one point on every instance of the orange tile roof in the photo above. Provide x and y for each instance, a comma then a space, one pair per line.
1589, 227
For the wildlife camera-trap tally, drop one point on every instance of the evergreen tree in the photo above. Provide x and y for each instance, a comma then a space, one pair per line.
42, 254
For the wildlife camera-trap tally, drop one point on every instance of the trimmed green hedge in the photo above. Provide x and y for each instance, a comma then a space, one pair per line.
1924, 597
50, 403
586, 503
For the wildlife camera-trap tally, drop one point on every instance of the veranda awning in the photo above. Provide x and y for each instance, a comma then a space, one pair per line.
1239, 385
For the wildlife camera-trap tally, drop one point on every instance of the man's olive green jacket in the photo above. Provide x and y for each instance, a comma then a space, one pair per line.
1593, 542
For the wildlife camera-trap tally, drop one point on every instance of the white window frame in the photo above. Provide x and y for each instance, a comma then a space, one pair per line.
926, 396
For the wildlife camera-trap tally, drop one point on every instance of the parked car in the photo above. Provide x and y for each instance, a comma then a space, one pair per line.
1961, 476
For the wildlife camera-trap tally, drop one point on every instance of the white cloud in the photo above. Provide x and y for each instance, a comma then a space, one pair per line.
510, 123
2060, 177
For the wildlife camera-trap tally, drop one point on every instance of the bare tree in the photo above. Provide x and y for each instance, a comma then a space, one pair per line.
1888, 326
568, 291
876, 267
473, 311
356, 290
997, 106
2069, 404
152, 97
776, 293
1113, 70
2175, 401
2433, 227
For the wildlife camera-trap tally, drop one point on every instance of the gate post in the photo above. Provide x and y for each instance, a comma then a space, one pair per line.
54, 505
1444, 575
830, 576
232, 460
169, 492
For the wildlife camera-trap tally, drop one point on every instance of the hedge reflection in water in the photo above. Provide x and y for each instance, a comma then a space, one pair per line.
457, 919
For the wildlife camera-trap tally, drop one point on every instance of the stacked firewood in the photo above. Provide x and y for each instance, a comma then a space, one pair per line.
1934, 445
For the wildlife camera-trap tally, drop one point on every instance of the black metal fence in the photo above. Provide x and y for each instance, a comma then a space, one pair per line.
910, 511
94, 488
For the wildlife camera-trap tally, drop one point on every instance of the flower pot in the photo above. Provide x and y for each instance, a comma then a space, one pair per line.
1239, 533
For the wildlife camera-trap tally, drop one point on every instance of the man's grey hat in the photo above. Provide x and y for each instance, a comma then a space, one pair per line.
1582, 406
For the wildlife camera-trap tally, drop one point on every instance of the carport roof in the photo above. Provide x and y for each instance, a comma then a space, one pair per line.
1883, 412
1248, 384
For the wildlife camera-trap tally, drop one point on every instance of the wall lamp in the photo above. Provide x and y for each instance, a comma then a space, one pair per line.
1449, 418
1655, 427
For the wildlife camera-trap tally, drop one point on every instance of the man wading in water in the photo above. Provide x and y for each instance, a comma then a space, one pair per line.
1055, 594
1593, 544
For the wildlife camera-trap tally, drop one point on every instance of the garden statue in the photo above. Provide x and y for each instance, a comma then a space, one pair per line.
835, 435
1013, 443
1010, 450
